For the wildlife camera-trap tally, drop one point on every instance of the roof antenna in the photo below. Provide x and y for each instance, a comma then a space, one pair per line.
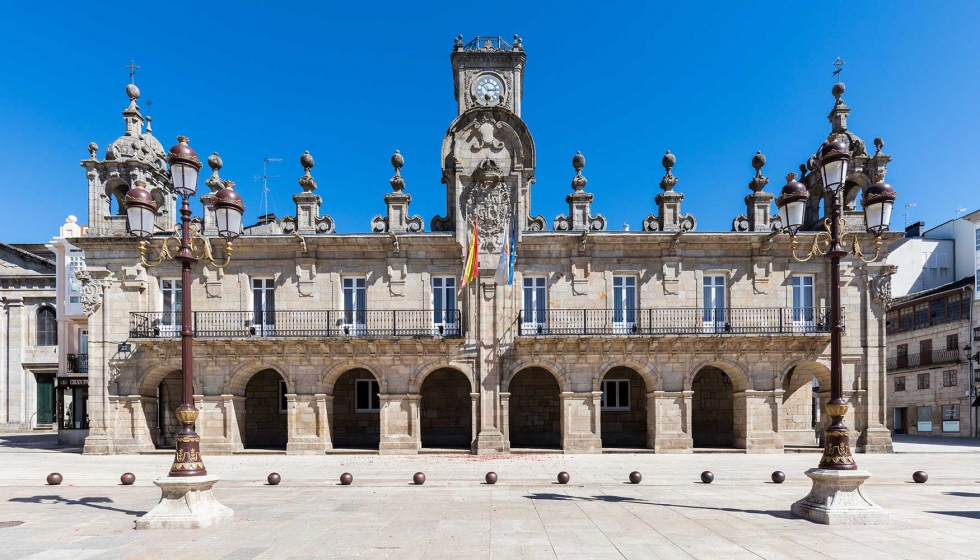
907, 206
264, 177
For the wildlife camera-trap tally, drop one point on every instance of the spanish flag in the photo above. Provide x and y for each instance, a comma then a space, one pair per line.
472, 267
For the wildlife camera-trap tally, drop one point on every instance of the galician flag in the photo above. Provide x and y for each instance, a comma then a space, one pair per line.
472, 267
502, 276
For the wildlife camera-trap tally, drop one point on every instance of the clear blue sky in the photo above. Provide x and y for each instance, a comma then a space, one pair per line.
622, 83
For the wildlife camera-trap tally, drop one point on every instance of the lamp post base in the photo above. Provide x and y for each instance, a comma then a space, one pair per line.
837, 499
187, 503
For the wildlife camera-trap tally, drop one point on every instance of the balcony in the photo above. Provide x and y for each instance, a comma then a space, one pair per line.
411, 323
676, 321
77, 363
926, 359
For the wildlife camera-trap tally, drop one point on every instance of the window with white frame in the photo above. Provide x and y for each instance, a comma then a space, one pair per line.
615, 395
76, 263
535, 302
624, 302
803, 300
713, 292
263, 306
444, 305
355, 303
366, 396
283, 405
172, 293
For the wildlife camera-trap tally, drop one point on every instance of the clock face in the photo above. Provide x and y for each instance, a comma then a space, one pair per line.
489, 89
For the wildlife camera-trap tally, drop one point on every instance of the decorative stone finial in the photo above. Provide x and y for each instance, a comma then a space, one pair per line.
458, 41
397, 182
214, 162
760, 181
790, 177
838, 91
579, 181
92, 149
133, 92
879, 145
213, 182
307, 181
71, 219
149, 124
669, 180
181, 139
229, 185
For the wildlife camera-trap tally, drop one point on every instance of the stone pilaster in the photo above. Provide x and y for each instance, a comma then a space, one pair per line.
400, 421
14, 377
579, 422
669, 421
756, 421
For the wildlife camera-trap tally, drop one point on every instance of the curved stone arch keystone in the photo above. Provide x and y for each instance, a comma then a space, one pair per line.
420, 373
651, 378
553, 368
238, 379
735, 370
330, 375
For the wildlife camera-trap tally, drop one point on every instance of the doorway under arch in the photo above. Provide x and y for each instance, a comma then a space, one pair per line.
712, 409
169, 395
535, 410
356, 419
266, 421
446, 410
622, 409
806, 389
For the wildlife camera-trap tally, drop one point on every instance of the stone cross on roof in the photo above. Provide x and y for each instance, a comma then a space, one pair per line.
840, 66
132, 70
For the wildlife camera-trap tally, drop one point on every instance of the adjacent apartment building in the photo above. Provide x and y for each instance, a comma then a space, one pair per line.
313, 341
932, 330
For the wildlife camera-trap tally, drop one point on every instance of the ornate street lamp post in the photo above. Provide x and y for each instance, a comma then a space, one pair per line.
187, 474
832, 243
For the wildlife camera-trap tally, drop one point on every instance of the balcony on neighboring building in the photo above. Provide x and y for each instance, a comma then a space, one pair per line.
673, 321
925, 359
374, 324
77, 363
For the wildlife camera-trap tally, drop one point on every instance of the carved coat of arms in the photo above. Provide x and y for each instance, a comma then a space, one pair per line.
488, 200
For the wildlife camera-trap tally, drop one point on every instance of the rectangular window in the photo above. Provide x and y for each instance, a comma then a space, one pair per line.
713, 292
924, 417
355, 305
76, 263
922, 381
953, 342
263, 306
891, 322
615, 394
951, 412
444, 305
282, 397
925, 352
937, 311
624, 303
902, 356
535, 303
803, 301
900, 383
366, 396
905, 319
949, 378
83, 341
172, 296
953, 307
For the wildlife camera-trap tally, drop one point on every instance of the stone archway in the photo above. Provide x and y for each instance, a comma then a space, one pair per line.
712, 409
168, 398
623, 410
445, 416
535, 410
806, 388
266, 419
355, 421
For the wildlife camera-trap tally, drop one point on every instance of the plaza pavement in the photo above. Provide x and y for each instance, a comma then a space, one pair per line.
454, 515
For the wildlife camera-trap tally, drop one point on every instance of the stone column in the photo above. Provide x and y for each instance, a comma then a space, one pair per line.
669, 420
876, 438
597, 416
755, 416
302, 413
505, 419
399, 424
578, 434
325, 420
474, 420
488, 303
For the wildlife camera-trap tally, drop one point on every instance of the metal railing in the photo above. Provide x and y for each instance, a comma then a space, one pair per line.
668, 321
370, 323
924, 359
77, 363
483, 42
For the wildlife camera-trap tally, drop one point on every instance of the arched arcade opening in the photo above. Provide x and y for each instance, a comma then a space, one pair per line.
446, 410
356, 419
535, 410
623, 410
266, 418
713, 409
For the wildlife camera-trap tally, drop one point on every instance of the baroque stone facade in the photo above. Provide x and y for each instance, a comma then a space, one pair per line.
666, 338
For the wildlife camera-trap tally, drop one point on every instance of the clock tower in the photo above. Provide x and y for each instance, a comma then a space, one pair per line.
489, 72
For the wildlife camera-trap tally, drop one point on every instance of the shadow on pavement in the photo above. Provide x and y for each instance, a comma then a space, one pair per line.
36, 442
968, 514
962, 494
92, 502
622, 499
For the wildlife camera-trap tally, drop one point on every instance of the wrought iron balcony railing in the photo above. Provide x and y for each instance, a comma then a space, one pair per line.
671, 321
372, 323
488, 42
925, 359
77, 363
